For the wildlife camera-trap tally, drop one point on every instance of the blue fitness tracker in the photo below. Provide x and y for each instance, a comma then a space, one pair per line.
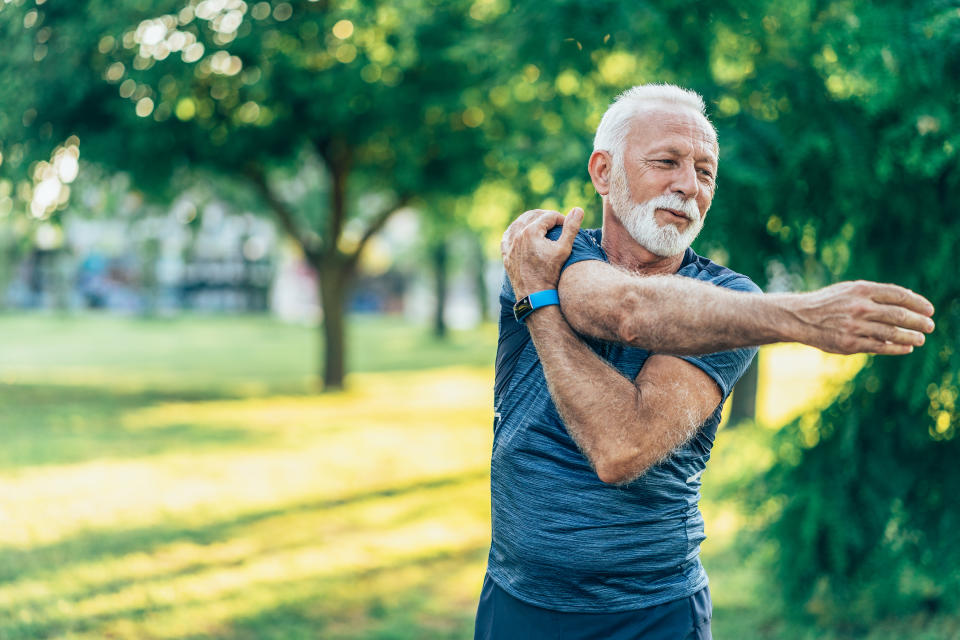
528, 304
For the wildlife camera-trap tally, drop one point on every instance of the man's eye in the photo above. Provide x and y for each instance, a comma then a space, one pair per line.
706, 172
667, 162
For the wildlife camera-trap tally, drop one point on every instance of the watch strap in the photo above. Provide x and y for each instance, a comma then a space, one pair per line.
528, 304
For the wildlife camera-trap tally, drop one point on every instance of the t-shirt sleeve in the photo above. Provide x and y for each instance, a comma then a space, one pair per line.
584, 247
726, 367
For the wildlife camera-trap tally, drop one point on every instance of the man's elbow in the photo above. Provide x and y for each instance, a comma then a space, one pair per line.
611, 476
618, 318
620, 470
629, 317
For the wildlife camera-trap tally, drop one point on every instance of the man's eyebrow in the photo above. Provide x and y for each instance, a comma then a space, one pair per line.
671, 150
674, 151
707, 156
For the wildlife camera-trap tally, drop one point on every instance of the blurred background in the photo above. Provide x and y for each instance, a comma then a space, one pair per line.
249, 277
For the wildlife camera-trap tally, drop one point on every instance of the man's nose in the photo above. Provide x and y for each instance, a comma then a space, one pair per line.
685, 182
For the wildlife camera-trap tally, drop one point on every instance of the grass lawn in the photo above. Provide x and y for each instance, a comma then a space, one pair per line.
177, 479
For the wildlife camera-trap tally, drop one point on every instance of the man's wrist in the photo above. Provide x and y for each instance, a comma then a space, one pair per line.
523, 289
784, 320
536, 300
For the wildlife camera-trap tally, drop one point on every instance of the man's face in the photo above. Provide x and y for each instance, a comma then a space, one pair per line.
663, 186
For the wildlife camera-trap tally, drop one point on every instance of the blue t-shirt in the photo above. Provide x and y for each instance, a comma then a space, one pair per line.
562, 538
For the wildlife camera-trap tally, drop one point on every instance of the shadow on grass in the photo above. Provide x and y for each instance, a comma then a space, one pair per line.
313, 608
401, 601
48, 424
97, 546
101, 546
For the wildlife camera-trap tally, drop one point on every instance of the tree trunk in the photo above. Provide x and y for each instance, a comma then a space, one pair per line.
743, 405
334, 281
480, 279
438, 252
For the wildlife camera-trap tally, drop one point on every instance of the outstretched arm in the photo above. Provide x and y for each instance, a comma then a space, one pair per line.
673, 314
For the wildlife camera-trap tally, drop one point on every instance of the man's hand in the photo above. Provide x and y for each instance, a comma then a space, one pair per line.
862, 317
533, 261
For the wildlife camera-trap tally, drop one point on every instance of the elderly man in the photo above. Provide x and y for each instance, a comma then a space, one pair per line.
617, 349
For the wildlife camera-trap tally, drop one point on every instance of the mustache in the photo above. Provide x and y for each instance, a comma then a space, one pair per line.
688, 207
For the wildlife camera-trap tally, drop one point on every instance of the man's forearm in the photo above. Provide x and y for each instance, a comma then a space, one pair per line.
678, 315
621, 431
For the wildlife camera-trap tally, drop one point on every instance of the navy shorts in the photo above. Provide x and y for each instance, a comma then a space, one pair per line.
500, 616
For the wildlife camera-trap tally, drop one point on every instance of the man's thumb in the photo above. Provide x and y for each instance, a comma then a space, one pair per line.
571, 224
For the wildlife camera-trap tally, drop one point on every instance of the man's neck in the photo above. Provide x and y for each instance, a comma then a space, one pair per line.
622, 250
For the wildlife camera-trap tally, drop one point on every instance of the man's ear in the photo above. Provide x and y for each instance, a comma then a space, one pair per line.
599, 167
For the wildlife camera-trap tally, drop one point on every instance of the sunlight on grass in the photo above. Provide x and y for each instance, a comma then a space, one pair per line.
237, 356
384, 432
290, 547
390, 473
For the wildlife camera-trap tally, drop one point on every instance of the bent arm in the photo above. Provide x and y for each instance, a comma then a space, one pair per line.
678, 315
623, 427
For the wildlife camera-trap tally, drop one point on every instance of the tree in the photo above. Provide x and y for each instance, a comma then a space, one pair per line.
839, 128
380, 93
743, 404
880, 168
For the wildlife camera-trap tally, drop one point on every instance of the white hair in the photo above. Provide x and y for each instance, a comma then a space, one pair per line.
615, 125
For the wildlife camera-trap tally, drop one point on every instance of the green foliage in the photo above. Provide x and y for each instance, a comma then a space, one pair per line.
380, 95
865, 530
863, 186
151, 88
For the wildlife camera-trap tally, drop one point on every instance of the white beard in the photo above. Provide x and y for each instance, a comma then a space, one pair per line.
640, 223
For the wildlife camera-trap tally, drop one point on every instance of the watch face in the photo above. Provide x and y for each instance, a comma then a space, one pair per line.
522, 309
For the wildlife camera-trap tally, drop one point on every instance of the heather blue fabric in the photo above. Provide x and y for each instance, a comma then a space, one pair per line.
564, 540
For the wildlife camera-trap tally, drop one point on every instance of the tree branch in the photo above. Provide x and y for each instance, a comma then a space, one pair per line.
288, 221
376, 225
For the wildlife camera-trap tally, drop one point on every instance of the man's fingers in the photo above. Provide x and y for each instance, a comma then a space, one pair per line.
526, 218
862, 344
544, 222
521, 223
897, 295
517, 227
571, 225
886, 348
537, 222
901, 317
891, 334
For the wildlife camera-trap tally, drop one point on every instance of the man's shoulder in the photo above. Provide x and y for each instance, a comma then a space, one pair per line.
703, 268
591, 236
586, 246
